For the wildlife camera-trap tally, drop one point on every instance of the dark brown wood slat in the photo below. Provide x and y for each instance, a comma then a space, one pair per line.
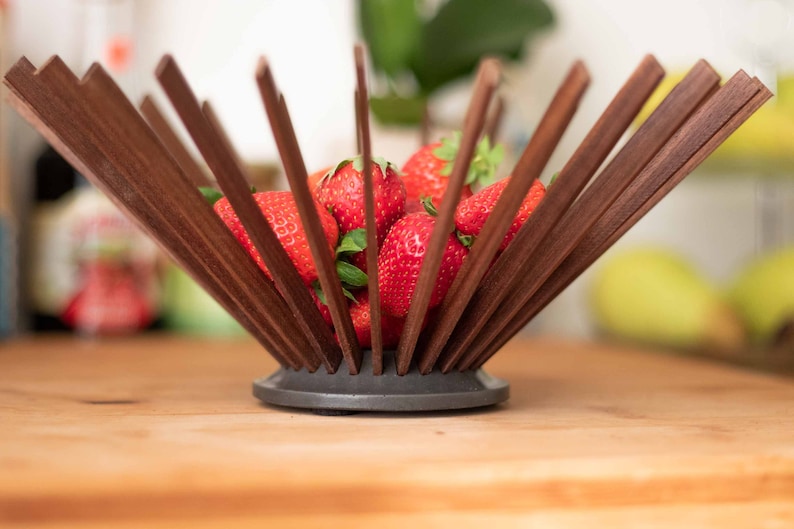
64, 113
484, 88
587, 211
55, 78
288, 148
233, 182
158, 122
222, 135
617, 175
362, 125
493, 122
163, 237
284, 273
218, 246
573, 177
534, 158
624, 213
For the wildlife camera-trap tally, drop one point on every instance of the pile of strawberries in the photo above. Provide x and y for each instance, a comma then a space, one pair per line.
404, 202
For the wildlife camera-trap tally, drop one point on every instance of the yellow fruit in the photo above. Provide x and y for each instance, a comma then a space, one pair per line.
655, 296
763, 144
763, 294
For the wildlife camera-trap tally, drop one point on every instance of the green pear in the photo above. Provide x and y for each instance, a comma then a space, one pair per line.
653, 295
188, 308
763, 294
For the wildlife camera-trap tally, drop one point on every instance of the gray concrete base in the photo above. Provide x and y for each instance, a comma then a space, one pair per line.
341, 392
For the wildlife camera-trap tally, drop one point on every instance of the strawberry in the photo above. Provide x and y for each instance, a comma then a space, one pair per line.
426, 173
325, 312
471, 214
314, 179
391, 326
341, 191
281, 212
401, 258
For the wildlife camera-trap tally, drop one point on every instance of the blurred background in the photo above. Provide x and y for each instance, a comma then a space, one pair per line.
719, 245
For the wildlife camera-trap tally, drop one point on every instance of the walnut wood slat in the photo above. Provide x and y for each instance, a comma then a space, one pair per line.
230, 176
130, 205
618, 174
129, 202
484, 88
284, 273
156, 177
573, 177
247, 280
646, 191
100, 143
222, 135
164, 237
500, 295
158, 122
362, 126
534, 158
494, 120
287, 145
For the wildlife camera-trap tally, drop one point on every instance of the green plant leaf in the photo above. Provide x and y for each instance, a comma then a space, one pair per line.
353, 241
484, 163
350, 274
349, 295
319, 291
211, 194
391, 29
395, 110
463, 31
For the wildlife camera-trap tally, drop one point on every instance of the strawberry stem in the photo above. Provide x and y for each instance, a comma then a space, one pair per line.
465, 240
430, 208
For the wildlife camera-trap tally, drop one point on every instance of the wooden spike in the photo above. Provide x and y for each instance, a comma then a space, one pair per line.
101, 142
624, 213
494, 121
287, 144
573, 177
485, 85
158, 122
362, 119
651, 138
223, 136
532, 162
233, 182
200, 226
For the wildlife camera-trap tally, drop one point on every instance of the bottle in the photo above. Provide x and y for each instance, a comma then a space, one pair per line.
93, 271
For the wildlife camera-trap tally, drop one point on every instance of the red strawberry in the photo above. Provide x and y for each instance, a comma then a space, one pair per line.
391, 326
314, 179
426, 173
341, 191
401, 258
322, 307
281, 212
471, 214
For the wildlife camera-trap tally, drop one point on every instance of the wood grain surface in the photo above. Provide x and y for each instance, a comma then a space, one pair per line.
160, 431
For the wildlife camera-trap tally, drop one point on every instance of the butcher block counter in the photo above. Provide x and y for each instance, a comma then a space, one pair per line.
162, 431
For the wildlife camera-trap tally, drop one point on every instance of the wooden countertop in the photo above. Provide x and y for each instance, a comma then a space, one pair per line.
159, 431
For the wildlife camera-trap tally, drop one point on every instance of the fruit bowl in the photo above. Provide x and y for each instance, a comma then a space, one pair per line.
453, 319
